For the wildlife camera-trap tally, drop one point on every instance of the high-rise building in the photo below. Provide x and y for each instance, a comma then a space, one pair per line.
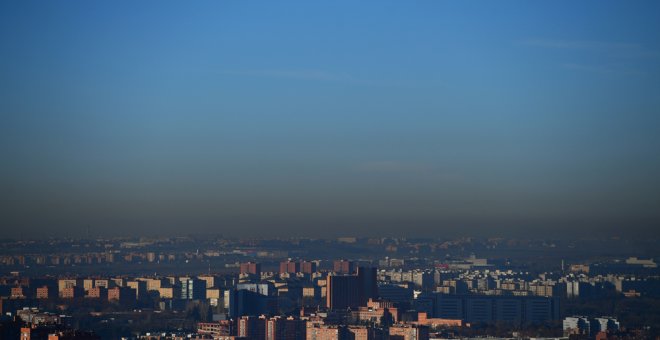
290, 328
193, 289
251, 327
251, 268
308, 267
368, 284
343, 267
290, 267
342, 291
123, 295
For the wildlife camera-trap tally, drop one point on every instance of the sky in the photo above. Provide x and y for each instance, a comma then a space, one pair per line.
311, 118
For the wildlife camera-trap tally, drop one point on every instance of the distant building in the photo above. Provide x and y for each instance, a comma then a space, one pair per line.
401, 293
308, 267
342, 292
140, 288
409, 332
215, 329
97, 293
169, 292
193, 289
290, 267
68, 283
251, 327
317, 331
494, 308
72, 292
242, 302
212, 281
290, 328
73, 335
646, 263
45, 292
250, 268
368, 284
122, 295
422, 319
343, 267
365, 333
18, 293
377, 312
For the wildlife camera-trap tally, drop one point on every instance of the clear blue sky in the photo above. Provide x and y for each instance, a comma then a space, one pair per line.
328, 118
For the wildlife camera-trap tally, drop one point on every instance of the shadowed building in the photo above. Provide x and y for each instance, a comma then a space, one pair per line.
342, 292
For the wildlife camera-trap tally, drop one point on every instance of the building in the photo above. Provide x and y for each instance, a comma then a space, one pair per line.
377, 312
264, 288
169, 292
315, 331
35, 317
494, 308
72, 292
242, 302
400, 293
279, 328
409, 332
308, 267
67, 283
140, 288
97, 293
18, 293
422, 319
251, 268
342, 292
365, 333
154, 284
290, 267
251, 327
343, 267
193, 289
45, 292
212, 281
216, 329
122, 295
73, 335
368, 284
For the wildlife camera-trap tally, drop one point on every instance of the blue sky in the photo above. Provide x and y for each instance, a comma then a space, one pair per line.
329, 117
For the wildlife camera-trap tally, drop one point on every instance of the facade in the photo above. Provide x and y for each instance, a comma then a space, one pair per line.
342, 292
316, 331
72, 292
251, 327
193, 289
278, 328
368, 284
122, 295
250, 268
495, 308
45, 292
307, 267
290, 267
97, 293
215, 329
343, 267
409, 332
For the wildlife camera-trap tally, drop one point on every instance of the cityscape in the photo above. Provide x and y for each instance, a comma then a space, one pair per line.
210, 287
329, 170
